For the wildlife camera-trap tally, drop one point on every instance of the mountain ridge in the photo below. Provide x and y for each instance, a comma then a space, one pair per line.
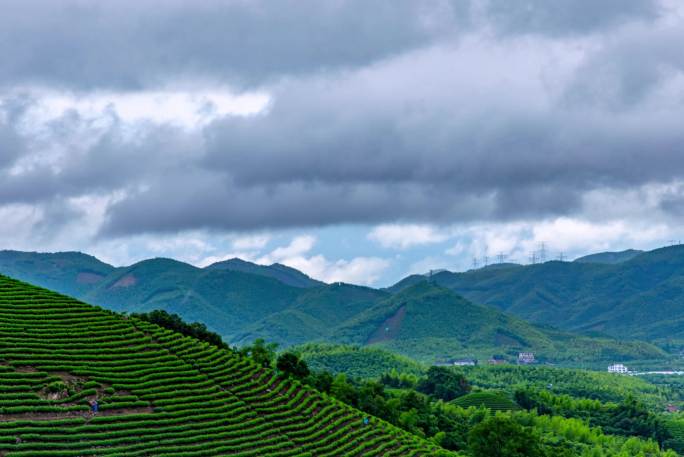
639, 297
244, 305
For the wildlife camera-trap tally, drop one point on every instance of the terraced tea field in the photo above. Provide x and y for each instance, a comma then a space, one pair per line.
158, 393
495, 401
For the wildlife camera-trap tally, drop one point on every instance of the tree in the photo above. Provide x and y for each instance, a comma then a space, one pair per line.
176, 323
260, 352
321, 381
344, 391
444, 384
292, 365
501, 436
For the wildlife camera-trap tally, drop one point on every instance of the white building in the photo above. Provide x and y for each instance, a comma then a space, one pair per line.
526, 358
465, 362
617, 368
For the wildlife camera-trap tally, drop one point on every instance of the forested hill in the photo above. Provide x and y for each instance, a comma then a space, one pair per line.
158, 393
428, 321
243, 301
641, 297
609, 257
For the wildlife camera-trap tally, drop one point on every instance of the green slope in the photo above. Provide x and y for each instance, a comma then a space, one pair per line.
159, 393
356, 361
282, 273
609, 257
638, 298
492, 400
427, 321
244, 305
225, 300
72, 273
314, 315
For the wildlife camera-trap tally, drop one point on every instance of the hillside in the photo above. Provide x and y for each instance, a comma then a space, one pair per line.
638, 298
427, 321
242, 305
314, 315
609, 257
282, 273
226, 300
159, 393
356, 361
72, 273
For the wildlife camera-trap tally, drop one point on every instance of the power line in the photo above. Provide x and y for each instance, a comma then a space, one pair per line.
542, 252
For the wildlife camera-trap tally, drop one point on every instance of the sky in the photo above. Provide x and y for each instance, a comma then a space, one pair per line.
356, 140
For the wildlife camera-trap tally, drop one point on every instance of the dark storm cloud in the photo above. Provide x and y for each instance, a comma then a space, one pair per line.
133, 45
288, 169
565, 17
490, 146
378, 113
207, 201
136, 44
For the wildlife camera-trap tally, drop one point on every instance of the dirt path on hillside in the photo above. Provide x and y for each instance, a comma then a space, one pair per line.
87, 415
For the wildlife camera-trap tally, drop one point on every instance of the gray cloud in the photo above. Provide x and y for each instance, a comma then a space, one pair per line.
632, 65
208, 202
374, 117
137, 44
134, 45
566, 17
12, 145
504, 169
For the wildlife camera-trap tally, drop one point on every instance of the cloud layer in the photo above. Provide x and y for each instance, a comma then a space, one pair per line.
140, 119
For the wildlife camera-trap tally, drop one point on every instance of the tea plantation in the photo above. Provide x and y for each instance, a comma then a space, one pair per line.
77, 380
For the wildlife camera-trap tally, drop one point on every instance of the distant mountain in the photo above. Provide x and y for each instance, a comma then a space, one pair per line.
71, 273
427, 321
282, 273
642, 297
244, 301
610, 257
225, 300
314, 315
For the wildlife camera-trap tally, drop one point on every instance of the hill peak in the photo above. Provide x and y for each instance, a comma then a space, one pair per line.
610, 257
283, 273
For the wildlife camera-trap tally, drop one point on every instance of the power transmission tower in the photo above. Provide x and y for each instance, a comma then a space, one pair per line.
542, 252
486, 260
502, 257
533, 257
561, 257
475, 263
